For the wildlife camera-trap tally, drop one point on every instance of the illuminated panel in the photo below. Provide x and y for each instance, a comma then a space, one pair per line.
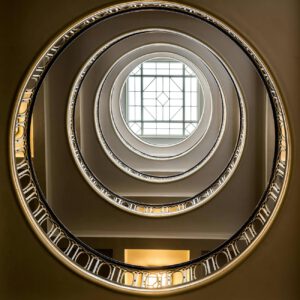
156, 258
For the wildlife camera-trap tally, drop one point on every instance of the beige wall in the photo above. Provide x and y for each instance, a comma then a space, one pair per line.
28, 271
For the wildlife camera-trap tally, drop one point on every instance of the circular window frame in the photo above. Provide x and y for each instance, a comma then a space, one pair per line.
116, 115
29, 191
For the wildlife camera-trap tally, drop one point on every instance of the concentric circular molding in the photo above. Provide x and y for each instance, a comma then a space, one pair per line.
86, 261
121, 164
115, 109
150, 210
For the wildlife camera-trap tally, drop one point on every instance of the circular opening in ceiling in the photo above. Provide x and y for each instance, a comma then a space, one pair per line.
161, 101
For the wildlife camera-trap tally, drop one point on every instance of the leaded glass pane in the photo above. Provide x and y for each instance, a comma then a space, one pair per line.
163, 99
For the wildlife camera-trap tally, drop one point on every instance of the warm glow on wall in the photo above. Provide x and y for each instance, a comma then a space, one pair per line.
20, 134
155, 258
